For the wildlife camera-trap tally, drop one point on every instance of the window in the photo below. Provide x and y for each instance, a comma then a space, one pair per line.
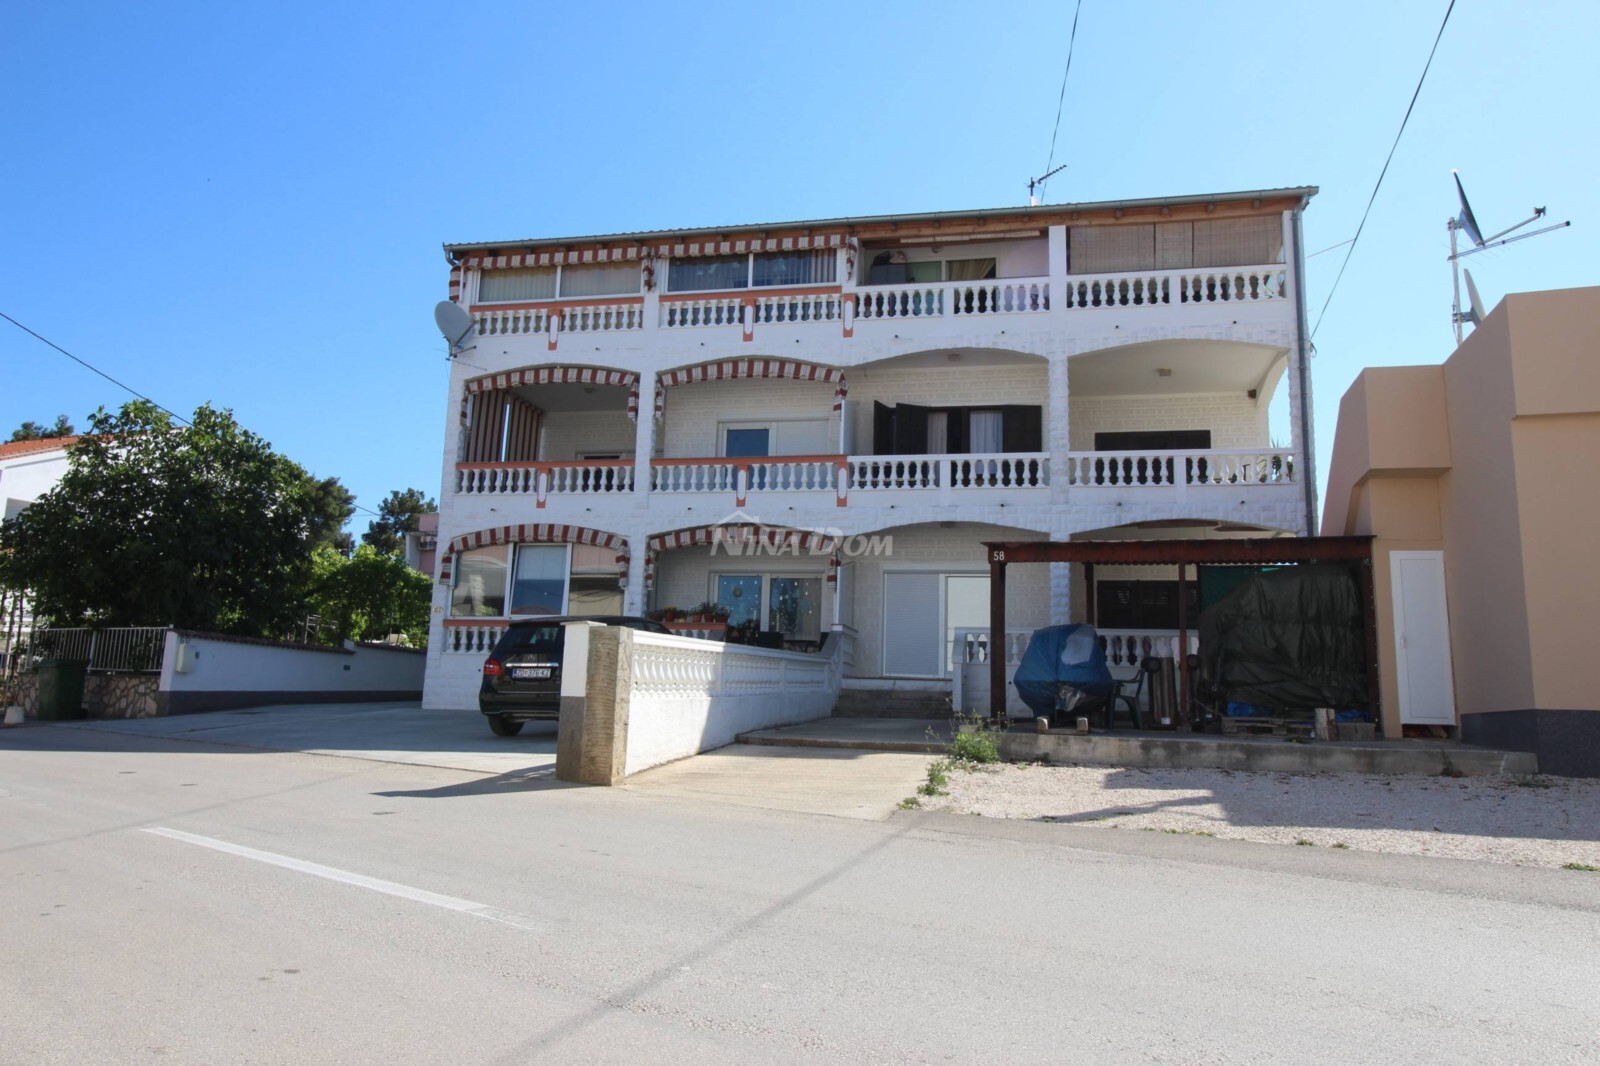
740, 442
480, 584
708, 273
539, 585
594, 588
787, 604
792, 436
759, 270
601, 279
542, 283
1254, 241
508, 286
910, 429
794, 268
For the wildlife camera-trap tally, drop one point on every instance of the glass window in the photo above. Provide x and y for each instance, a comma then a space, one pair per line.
741, 595
743, 443
480, 584
794, 268
600, 279
795, 607
708, 273
508, 286
594, 588
539, 585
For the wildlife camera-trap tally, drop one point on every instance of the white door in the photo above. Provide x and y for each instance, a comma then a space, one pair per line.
1422, 638
913, 636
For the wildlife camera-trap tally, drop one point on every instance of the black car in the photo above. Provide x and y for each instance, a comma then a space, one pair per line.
522, 675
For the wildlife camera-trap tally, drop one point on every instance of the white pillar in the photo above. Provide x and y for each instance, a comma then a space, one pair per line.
644, 438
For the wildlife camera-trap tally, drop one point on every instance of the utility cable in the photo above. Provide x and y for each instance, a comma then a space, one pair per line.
1370, 200
126, 387
1071, 40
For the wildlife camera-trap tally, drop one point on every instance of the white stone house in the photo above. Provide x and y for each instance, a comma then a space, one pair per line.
28, 470
868, 399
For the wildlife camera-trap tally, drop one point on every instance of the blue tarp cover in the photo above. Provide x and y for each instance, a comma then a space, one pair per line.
1062, 655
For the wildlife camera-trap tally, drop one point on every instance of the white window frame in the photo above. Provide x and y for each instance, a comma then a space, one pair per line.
477, 290
749, 273
945, 573
769, 424
566, 578
767, 577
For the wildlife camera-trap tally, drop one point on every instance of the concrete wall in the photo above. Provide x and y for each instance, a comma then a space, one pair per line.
643, 699
1491, 457
227, 672
573, 434
689, 430
1234, 421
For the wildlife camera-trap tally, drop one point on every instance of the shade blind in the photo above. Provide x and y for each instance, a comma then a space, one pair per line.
606, 279
505, 286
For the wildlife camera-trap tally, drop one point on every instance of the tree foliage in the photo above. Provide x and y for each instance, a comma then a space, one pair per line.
369, 595
331, 507
397, 516
39, 431
200, 526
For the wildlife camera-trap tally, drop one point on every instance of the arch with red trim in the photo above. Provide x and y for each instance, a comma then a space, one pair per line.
555, 375
536, 533
730, 369
745, 534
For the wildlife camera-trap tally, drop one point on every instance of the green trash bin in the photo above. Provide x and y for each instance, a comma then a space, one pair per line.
61, 689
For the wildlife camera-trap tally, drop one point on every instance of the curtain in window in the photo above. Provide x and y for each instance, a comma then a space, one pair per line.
970, 269
708, 274
540, 581
985, 430
606, 279
514, 286
938, 433
794, 268
480, 584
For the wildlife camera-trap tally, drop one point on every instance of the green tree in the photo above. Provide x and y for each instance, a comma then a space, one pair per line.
369, 595
201, 526
331, 507
39, 431
397, 516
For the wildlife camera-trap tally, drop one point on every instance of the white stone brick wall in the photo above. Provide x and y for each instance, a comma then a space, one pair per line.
1234, 421
570, 434
689, 429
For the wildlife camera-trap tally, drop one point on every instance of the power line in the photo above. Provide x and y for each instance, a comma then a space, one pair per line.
1071, 40
90, 366
124, 386
1379, 184
1331, 247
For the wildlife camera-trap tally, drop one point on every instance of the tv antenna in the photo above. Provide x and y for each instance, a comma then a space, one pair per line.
1466, 223
1038, 183
455, 322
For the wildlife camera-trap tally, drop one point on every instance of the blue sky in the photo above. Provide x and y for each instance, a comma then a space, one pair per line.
244, 204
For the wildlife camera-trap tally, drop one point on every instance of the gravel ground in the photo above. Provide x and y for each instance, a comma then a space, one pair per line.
1544, 821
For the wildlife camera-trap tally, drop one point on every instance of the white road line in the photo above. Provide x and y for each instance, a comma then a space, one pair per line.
345, 877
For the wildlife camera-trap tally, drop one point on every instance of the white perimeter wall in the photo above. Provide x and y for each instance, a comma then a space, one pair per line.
222, 665
689, 695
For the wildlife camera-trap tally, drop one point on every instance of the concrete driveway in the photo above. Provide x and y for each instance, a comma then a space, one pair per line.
851, 784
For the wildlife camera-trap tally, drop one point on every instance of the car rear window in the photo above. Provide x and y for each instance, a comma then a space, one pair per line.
535, 638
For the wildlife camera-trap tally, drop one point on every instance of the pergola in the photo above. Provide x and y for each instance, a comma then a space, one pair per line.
1255, 551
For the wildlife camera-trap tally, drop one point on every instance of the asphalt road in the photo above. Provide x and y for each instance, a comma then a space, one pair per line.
167, 900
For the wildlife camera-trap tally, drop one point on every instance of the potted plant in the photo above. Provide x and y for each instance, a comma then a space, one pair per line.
659, 614
719, 613
701, 612
670, 615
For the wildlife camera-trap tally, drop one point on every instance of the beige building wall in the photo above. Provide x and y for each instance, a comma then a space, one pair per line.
1493, 457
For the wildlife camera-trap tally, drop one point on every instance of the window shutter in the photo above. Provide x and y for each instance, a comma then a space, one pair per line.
1022, 428
882, 429
910, 429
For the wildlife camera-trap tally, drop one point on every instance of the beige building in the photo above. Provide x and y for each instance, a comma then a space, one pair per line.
1480, 480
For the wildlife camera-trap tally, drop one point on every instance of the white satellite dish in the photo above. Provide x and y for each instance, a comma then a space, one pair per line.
1478, 314
454, 322
1466, 223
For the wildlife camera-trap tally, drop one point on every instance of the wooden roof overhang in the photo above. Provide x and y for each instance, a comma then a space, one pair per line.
1253, 551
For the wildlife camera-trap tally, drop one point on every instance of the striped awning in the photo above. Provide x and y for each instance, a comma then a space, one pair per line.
775, 536
535, 533
729, 369
560, 375
675, 249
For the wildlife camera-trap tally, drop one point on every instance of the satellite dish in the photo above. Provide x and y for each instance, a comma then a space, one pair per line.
1478, 314
453, 321
1466, 221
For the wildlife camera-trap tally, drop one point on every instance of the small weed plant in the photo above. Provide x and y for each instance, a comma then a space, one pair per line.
974, 743
1583, 866
938, 778
1532, 781
910, 803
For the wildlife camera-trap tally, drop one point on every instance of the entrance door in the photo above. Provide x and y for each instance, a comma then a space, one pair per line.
913, 634
1422, 638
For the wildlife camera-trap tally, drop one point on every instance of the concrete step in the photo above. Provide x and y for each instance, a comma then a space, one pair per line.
915, 735
891, 703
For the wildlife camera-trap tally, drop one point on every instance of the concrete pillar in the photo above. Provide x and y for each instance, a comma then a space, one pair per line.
635, 598
596, 688
644, 439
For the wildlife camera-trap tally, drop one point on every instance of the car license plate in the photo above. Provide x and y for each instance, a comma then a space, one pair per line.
532, 673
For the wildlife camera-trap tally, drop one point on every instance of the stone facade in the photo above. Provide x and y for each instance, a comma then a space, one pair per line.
104, 695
